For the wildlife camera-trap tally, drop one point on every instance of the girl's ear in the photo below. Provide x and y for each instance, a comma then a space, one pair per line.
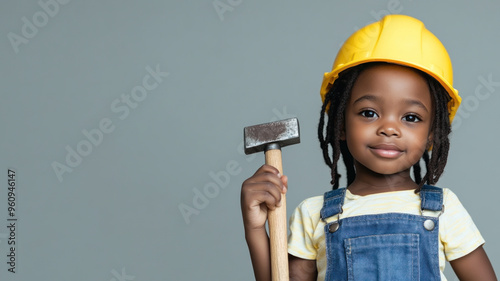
430, 141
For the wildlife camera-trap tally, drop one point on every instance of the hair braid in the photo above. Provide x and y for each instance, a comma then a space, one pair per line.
336, 99
417, 173
441, 130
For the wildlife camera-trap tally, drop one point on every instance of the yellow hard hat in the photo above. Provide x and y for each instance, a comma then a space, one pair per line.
401, 40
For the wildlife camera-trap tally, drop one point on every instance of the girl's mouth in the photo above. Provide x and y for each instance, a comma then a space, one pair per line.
386, 150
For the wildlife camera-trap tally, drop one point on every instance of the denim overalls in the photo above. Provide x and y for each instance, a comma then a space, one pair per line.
388, 247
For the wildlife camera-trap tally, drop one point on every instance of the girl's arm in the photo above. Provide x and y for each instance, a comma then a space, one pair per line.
258, 246
474, 266
301, 269
260, 193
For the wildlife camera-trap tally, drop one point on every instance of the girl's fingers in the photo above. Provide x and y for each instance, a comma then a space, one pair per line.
267, 168
263, 192
264, 189
267, 173
270, 200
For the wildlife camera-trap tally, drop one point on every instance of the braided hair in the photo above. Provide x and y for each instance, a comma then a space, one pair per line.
334, 107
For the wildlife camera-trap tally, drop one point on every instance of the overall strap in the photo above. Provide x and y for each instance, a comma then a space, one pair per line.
332, 203
431, 198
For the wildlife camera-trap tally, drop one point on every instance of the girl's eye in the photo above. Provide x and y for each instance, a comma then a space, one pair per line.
368, 114
411, 118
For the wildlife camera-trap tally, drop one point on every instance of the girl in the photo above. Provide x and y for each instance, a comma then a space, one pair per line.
388, 101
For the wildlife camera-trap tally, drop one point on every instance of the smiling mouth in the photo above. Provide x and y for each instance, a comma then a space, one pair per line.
386, 151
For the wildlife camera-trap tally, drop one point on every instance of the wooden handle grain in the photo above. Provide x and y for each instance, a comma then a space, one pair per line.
278, 227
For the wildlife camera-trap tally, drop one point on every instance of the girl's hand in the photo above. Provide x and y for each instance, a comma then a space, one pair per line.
259, 193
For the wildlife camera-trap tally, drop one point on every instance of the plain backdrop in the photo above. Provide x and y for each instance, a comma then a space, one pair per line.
123, 121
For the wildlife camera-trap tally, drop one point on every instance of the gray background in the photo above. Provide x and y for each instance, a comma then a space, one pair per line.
116, 215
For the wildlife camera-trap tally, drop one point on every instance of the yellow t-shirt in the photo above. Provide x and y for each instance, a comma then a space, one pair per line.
458, 234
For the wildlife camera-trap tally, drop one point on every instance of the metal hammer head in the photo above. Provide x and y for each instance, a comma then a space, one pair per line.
282, 133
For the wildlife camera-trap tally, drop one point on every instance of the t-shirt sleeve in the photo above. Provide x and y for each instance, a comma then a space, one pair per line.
300, 239
460, 236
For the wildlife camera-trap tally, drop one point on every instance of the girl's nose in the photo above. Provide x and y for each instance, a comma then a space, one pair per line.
389, 129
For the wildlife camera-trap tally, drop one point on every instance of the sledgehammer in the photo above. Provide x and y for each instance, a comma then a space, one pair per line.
271, 137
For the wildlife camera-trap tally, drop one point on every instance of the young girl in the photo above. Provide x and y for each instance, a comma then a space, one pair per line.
389, 102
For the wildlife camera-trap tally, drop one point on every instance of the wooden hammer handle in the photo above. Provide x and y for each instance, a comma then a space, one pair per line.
278, 227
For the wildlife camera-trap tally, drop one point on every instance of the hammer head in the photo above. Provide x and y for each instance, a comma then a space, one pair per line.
283, 133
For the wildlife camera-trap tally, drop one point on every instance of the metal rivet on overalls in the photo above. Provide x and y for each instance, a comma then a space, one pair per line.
333, 227
429, 225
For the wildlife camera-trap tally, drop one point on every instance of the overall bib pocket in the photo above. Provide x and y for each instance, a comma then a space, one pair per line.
383, 257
